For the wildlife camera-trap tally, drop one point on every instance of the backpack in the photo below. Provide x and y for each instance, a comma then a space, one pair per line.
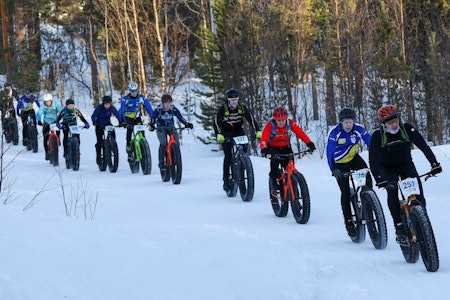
403, 133
274, 129
227, 109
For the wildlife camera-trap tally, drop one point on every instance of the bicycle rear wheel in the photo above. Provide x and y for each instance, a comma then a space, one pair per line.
53, 150
357, 217
246, 178
146, 160
301, 205
425, 238
112, 156
279, 206
410, 250
176, 169
165, 169
375, 221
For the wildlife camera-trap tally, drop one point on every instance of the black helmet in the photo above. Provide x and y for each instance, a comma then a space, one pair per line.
107, 99
347, 113
70, 101
27, 90
232, 93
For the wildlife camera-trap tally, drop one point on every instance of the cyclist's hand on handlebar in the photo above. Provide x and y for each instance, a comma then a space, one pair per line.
152, 127
40, 123
258, 134
220, 138
311, 147
59, 126
382, 184
86, 125
189, 125
435, 168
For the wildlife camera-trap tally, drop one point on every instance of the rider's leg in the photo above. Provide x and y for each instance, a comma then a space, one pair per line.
226, 147
24, 117
98, 145
162, 138
45, 133
65, 140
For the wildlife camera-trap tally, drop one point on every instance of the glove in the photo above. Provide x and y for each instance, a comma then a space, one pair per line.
59, 126
220, 138
152, 127
40, 123
382, 184
189, 125
336, 172
435, 168
86, 125
258, 134
311, 147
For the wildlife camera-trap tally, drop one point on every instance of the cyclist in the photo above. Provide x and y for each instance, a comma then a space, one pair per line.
102, 117
131, 107
69, 116
46, 115
342, 155
276, 140
163, 116
228, 123
7, 96
390, 157
25, 109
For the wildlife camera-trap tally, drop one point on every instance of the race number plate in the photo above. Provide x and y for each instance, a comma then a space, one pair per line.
240, 140
409, 186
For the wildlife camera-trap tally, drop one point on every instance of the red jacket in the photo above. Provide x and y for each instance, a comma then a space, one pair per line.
281, 138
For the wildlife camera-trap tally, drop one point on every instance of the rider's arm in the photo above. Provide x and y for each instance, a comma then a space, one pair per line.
299, 132
420, 142
331, 145
264, 141
248, 116
374, 155
79, 114
177, 114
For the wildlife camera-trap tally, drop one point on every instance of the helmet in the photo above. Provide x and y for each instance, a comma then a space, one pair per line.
27, 90
232, 93
166, 98
387, 112
70, 101
48, 97
106, 99
347, 113
7, 84
133, 87
280, 113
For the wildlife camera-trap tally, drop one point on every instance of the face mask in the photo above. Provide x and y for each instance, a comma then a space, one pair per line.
392, 131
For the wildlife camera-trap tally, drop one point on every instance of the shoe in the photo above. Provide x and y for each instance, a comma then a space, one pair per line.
351, 229
226, 184
47, 156
400, 234
128, 149
162, 166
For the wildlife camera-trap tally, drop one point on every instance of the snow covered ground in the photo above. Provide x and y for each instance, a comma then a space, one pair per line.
130, 236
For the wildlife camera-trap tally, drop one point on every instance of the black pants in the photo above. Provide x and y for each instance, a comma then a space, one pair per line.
99, 131
276, 163
46, 134
66, 139
131, 122
391, 174
356, 163
24, 116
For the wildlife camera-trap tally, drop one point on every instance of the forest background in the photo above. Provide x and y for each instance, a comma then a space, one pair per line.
313, 56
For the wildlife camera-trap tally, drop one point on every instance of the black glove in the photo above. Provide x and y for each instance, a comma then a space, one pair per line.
311, 147
382, 184
189, 125
40, 123
435, 168
152, 127
336, 173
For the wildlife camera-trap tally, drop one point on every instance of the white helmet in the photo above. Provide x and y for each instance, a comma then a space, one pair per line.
48, 97
133, 87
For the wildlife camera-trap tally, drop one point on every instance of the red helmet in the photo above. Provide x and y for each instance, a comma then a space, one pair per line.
280, 113
387, 112
166, 98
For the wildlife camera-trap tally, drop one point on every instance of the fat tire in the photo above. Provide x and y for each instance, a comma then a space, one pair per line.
425, 238
146, 161
103, 157
53, 150
374, 217
165, 171
232, 183
246, 178
411, 251
113, 155
279, 206
357, 218
176, 170
34, 139
301, 205
134, 165
75, 148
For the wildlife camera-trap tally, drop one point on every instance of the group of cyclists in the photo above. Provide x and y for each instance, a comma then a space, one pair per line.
389, 146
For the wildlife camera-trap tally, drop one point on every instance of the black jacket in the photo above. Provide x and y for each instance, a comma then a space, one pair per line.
229, 122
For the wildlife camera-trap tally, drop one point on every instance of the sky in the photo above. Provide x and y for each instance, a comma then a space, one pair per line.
98, 235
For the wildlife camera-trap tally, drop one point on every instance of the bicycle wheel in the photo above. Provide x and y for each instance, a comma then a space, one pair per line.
165, 170
104, 156
75, 148
425, 238
410, 250
232, 183
112, 157
279, 206
301, 205
176, 169
146, 161
375, 221
28, 142
15, 132
357, 217
34, 139
246, 178
53, 150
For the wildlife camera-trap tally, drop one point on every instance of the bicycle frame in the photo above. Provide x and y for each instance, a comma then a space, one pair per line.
53, 129
409, 189
286, 174
136, 139
239, 143
171, 142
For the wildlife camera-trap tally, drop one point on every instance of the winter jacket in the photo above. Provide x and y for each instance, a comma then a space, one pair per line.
102, 116
130, 107
49, 113
68, 117
229, 120
276, 137
163, 117
26, 104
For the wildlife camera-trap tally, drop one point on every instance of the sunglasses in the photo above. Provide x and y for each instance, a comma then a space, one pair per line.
233, 99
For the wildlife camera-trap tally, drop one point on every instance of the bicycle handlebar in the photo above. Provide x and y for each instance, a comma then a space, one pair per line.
287, 156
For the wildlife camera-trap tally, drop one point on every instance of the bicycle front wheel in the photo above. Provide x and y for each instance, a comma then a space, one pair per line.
176, 169
104, 157
357, 217
279, 206
146, 160
301, 204
112, 155
375, 221
53, 149
75, 148
246, 178
34, 139
425, 238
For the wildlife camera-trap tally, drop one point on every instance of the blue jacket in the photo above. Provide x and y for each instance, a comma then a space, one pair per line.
102, 116
49, 112
131, 107
68, 117
162, 117
24, 103
342, 146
